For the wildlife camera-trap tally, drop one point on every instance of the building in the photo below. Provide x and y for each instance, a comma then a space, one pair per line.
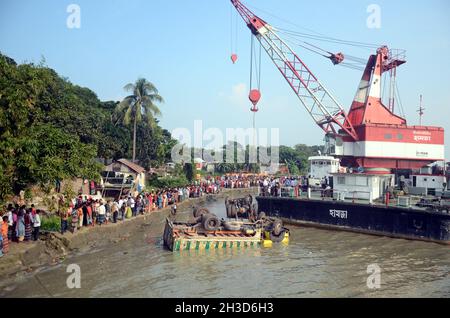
122, 177
199, 164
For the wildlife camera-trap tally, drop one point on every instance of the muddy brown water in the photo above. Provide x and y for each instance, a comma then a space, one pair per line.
316, 263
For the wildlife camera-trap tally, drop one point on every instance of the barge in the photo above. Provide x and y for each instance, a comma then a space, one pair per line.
413, 222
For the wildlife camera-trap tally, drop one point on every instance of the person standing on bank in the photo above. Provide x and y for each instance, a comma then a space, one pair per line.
20, 225
174, 209
28, 225
75, 220
5, 227
115, 211
36, 225
101, 210
64, 214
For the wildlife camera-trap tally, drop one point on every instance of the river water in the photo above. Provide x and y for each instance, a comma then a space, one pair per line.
316, 263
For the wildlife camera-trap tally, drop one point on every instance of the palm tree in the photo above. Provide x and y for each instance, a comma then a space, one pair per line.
140, 104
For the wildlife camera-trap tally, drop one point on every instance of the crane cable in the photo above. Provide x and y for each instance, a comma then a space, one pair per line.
356, 63
317, 35
233, 30
255, 61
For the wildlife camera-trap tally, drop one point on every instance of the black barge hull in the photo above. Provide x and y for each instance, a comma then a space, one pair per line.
362, 218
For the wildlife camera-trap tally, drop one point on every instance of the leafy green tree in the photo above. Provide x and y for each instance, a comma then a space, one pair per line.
37, 143
140, 104
47, 154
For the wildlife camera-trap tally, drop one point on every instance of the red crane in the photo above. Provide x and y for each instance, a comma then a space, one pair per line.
318, 101
370, 135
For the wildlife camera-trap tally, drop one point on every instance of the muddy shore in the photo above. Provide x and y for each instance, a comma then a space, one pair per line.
53, 248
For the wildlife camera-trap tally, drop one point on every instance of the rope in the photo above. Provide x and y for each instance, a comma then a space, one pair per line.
399, 100
283, 19
231, 29
260, 68
329, 39
251, 60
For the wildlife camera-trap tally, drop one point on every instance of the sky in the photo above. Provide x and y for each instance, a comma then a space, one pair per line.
184, 48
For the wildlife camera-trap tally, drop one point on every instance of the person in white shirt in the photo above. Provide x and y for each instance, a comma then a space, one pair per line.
101, 213
36, 226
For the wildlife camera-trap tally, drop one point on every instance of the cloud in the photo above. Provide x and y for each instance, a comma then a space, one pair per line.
238, 95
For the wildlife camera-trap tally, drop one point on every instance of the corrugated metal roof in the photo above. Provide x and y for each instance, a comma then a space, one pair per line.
135, 167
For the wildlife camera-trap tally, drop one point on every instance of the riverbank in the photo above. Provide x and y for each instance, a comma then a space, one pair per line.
53, 248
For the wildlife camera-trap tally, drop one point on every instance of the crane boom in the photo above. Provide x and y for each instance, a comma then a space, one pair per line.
318, 101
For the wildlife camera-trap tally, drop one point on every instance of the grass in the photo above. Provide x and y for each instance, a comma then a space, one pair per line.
51, 223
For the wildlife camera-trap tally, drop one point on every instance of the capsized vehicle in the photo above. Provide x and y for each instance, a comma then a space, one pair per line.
207, 231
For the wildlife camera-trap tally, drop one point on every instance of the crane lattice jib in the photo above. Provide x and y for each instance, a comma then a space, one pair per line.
320, 104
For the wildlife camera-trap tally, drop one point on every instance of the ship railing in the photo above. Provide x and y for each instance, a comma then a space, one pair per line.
294, 192
315, 193
353, 196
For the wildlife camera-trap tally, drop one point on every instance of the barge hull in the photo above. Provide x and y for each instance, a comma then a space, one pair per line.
361, 218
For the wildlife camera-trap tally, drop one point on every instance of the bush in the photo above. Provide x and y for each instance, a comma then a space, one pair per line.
168, 182
51, 223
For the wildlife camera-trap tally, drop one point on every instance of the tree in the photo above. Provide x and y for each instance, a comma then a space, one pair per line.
40, 138
47, 154
140, 104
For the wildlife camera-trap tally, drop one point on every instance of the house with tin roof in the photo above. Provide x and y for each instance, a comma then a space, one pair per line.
122, 177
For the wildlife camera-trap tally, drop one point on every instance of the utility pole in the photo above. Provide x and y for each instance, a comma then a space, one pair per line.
421, 111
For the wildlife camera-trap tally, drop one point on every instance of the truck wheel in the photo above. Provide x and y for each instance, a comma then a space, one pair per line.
277, 227
200, 212
233, 211
228, 209
232, 225
277, 238
211, 222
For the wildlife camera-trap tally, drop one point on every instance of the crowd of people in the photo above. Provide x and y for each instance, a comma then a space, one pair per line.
20, 223
291, 186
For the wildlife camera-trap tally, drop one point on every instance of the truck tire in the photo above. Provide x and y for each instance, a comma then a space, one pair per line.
210, 222
277, 238
200, 212
277, 227
233, 211
232, 225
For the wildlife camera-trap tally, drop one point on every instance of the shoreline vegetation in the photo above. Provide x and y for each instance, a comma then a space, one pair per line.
52, 130
53, 248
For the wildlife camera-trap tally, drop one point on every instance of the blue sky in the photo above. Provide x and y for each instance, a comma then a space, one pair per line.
183, 47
